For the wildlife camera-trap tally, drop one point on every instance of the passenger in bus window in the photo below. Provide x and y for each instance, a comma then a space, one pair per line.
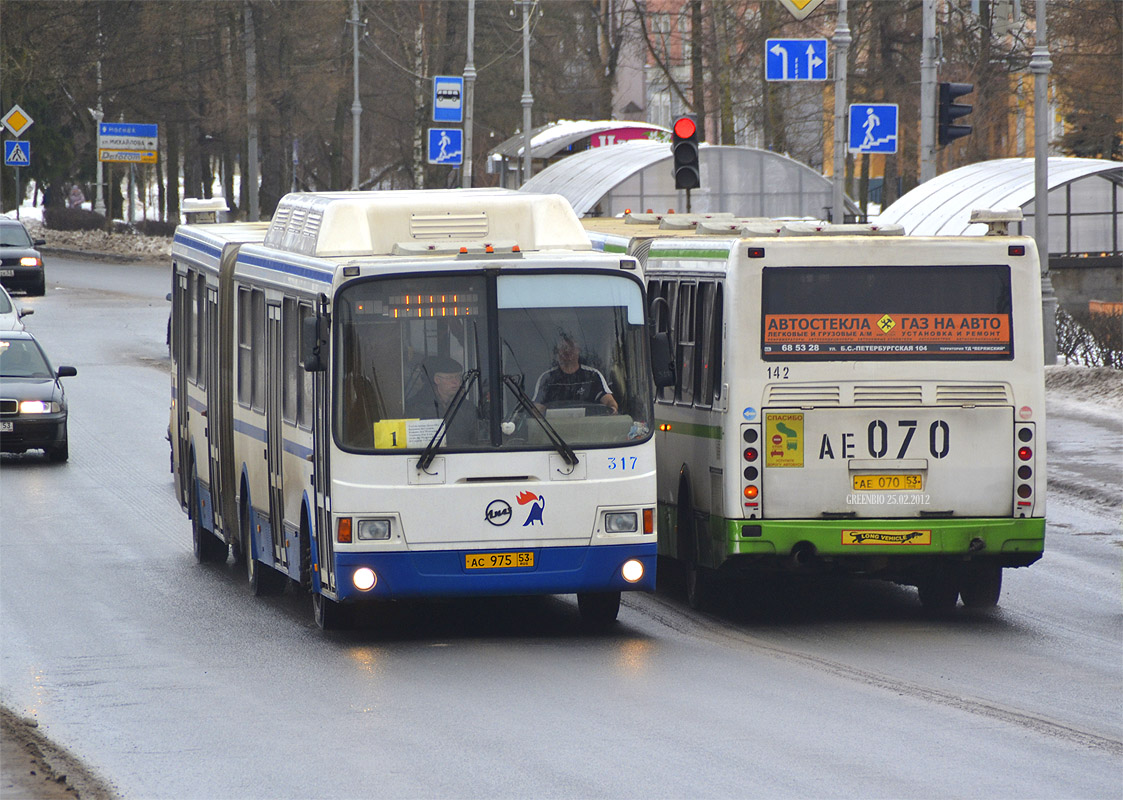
439, 379
571, 381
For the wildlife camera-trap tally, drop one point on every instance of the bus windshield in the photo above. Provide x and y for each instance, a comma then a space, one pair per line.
493, 362
894, 312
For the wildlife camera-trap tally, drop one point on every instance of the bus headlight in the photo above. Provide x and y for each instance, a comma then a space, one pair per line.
372, 530
364, 579
621, 522
632, 570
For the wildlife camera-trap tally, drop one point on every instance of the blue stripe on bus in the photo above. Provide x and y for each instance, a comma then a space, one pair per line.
297, 449
324, 276
249, 430
254, 432
196, 403
194, 244
557, 570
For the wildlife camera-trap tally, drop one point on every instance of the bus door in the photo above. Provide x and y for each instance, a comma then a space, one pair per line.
213, 403
321, 475
274, 436
180, 347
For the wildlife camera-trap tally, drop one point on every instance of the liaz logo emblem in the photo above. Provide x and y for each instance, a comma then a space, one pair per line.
498, 513
537, 506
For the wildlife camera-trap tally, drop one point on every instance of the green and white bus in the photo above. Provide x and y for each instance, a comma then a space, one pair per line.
848, 399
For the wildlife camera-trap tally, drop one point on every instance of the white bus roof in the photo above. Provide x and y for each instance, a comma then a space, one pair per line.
336, 224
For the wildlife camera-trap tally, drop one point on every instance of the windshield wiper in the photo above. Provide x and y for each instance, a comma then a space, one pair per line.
430, 451
525, 402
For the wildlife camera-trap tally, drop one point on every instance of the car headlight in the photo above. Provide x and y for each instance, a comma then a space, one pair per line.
621, 522
30, 261
374, 529
37, 407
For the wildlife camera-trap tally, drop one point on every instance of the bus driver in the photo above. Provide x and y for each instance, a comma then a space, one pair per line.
572, 381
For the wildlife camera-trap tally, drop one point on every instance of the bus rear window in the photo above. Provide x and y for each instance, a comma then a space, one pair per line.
886, 312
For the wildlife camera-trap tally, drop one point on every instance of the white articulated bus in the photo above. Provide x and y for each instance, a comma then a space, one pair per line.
846, 400
358, 402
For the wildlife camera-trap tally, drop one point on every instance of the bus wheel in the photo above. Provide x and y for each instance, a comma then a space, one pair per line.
701, 587
264, 580
330, 615
938, 592
980, 585
598, 609
207, 547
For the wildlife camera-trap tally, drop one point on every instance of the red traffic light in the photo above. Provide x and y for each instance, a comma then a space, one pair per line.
685, 127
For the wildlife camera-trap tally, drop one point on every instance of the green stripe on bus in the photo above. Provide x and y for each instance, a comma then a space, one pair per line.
694, 429
678, 253
615, 248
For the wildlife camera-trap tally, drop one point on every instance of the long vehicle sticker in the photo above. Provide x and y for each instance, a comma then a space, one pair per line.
811, 335
905, 537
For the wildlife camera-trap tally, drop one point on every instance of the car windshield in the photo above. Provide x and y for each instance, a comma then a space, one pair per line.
5, 303
546, 361
22, 358
14, 236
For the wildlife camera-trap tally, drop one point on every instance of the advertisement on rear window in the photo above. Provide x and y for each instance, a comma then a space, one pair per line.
855, 313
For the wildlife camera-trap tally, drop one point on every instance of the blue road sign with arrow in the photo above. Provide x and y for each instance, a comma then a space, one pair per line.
795, 60
446, 146
873, 127
17, 153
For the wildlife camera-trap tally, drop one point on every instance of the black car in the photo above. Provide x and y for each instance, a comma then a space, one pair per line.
32, 401
21, 266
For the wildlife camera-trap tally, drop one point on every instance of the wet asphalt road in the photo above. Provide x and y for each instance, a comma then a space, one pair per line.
172, 681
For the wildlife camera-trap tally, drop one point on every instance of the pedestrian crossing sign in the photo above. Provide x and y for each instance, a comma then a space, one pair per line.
873, 128
17, 153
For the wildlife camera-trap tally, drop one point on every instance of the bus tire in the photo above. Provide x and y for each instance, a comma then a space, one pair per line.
980, 585
206, 546
939, 592
330, 615
263, 579
598, 609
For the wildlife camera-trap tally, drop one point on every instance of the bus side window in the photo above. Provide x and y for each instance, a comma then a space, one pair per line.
707, 385
663, 313
684, 349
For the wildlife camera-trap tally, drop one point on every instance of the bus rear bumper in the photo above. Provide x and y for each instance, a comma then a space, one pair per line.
556, 570
872, 545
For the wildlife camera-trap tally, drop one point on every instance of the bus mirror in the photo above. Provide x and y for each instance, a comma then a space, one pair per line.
310, 342
662, 365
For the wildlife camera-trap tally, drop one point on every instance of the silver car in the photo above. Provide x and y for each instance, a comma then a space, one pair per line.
11, 312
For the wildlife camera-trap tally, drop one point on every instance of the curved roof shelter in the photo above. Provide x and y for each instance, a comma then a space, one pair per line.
1085, 202
547, 141
743, 181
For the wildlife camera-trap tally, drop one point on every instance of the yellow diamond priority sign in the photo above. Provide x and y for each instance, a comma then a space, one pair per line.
801, 8
16, 120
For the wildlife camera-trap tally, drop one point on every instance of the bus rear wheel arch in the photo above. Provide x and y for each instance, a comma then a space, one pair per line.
263, 579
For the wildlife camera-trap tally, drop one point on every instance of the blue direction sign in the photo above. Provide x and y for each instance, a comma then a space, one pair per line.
795, 60
448, 99
873, 127
17, 153
446, 146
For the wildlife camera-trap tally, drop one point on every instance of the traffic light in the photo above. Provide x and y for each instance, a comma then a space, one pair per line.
684, 147
950, 111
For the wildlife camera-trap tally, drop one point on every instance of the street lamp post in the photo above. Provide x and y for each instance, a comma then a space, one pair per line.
527, 98
841, 41
356, 106
1040, 65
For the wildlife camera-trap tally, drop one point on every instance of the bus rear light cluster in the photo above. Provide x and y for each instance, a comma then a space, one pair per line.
1024, 482
750, 472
